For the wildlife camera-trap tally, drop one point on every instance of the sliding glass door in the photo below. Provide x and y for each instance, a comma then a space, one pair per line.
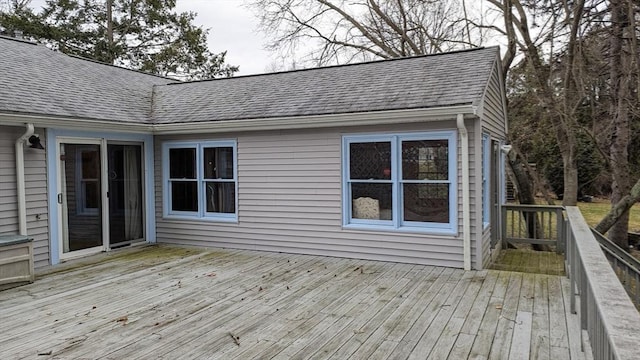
125, 194
100, 195
80, 198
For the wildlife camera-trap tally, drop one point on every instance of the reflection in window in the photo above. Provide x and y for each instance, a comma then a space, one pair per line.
370, 160
88, 197
401, 180
425, 165
202, 180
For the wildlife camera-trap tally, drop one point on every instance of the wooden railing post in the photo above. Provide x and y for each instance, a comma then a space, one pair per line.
560, 232
504, 227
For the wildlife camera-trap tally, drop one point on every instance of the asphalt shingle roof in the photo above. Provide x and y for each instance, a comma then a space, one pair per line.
419, 82
36, 80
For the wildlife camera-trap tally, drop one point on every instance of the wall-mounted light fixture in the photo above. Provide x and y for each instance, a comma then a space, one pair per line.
34, 142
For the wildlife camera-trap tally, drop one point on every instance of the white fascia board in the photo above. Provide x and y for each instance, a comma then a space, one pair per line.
317, 121
44, 121
257, 124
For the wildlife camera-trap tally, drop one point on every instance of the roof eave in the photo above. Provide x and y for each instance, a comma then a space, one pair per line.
48, 121
318, 121
256, 124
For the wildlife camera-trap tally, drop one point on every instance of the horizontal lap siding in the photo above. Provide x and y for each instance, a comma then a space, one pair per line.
35, 191
494, 116
494, 123
289, 200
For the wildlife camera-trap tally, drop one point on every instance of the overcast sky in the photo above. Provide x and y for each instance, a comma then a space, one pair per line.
232, 27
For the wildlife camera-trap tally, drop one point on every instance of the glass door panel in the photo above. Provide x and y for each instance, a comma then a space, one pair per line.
125, 194
81, 196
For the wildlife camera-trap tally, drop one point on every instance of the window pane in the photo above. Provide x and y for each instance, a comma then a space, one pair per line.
182, 163
91, 163
371, 201
221, 197
426, 202
425, 160
184, 196
371, 160
218, 163
91, 194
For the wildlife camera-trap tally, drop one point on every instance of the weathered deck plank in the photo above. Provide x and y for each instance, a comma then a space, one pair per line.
540, 322
173, 303
559, 339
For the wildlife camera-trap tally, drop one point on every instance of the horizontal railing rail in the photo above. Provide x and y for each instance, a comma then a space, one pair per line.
624, 265
533, 224
607, 314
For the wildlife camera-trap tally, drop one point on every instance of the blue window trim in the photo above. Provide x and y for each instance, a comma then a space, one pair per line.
397, 224
201, 213
486, 162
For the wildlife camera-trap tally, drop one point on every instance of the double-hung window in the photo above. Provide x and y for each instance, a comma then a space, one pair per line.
401, 181
200, 179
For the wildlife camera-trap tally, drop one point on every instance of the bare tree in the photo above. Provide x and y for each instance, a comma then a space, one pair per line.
339, 31
623, 66
551, 52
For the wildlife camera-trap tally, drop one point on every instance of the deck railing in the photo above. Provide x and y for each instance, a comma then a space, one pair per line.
625, 266
607, 314
533, 224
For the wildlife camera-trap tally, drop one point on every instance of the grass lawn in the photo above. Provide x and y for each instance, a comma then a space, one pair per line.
524, 259
594, 212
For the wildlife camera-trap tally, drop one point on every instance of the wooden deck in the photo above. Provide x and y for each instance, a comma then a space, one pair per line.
160, 302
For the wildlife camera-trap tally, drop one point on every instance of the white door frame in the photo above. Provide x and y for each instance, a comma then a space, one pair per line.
62, 198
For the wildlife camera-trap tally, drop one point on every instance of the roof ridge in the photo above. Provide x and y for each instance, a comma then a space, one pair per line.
112, 65
336, 66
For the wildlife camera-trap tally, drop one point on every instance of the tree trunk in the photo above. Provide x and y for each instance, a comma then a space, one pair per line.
110, 31
567, 144
526, 194
523, 181
620, 120
620, 209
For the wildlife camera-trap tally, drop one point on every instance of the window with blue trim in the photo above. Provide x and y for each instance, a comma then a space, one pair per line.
486, 168
400, 181
200, 179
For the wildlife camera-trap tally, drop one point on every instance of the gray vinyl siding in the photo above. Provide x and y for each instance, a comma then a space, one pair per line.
290, 200
494, 116
494, 123
35, 189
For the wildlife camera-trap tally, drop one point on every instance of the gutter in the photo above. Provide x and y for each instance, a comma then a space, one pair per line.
315, 121
20, 182
466, 201
253, 124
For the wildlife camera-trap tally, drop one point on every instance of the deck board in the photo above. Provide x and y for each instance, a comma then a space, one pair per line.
163, 302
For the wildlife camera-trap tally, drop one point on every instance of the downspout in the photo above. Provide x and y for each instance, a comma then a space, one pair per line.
466, 201
20, 185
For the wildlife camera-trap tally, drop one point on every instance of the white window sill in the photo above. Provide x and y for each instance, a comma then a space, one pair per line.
212, 219
403, 229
